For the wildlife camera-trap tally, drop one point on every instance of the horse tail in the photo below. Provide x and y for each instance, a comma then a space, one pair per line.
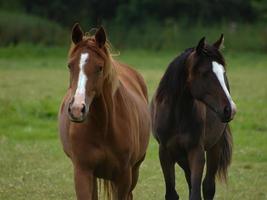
225, 157
108, 189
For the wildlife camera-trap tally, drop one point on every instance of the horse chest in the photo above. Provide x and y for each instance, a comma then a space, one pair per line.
184, 140
106, 156
213, 129
112, 164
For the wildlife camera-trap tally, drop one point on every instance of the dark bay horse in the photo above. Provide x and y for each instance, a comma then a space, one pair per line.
190, 113
104, 120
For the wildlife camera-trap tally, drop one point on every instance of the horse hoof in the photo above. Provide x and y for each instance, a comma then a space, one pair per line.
172, 196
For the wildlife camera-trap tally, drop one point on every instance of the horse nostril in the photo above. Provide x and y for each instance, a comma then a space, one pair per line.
70, 104
227, 111
83, 109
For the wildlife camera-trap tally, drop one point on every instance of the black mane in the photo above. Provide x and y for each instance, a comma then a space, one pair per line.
174, 78
173, 81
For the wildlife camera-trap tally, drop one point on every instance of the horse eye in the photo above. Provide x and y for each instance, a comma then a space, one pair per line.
100, 69
69, 66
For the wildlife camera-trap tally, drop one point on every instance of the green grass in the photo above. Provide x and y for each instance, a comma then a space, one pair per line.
33, 165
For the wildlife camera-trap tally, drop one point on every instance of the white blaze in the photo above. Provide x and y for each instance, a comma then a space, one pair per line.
218, 70
80, 91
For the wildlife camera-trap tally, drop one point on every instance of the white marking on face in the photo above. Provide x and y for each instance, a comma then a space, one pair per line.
219, 71
80, 91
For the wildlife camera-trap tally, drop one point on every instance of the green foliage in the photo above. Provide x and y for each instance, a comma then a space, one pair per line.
134, 12
149, 24
71, 11
22, 28
260, 6
209, 11
179, 35
14, 5
151, 34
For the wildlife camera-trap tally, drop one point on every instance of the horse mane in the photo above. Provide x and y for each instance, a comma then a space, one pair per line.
173, 80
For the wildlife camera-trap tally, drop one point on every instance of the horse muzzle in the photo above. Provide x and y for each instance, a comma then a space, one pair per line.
229, 112
77, 111
78, 107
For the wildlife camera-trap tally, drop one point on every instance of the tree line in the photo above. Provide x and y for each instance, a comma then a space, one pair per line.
135, 12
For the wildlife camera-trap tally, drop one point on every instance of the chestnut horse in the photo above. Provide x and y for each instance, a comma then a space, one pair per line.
190, 114
104, 120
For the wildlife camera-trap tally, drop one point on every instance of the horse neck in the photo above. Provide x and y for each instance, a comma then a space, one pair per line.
189, 113
182, 99
183, 102
105, 103
111, 81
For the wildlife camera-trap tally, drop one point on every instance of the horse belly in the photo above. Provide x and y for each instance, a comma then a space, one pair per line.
160, 121
143, 130
144, 133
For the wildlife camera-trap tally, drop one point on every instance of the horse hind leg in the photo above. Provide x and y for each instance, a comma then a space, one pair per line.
167, 165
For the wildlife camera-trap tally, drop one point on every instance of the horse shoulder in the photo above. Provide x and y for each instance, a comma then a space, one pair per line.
161, 122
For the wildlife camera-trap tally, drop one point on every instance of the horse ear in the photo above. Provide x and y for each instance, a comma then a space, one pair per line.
77, 34
100, 37
200, 46
219, 44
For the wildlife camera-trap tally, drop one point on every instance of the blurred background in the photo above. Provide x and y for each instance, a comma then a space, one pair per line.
150, 24
148, 34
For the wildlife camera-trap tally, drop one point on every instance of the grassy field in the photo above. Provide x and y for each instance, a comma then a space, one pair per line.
33, 165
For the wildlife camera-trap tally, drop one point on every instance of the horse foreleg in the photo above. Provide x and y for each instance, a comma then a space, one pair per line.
185, 166
196, 158
212, 167
95, 189
123, 184
135, 175
84, 182
167, 165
